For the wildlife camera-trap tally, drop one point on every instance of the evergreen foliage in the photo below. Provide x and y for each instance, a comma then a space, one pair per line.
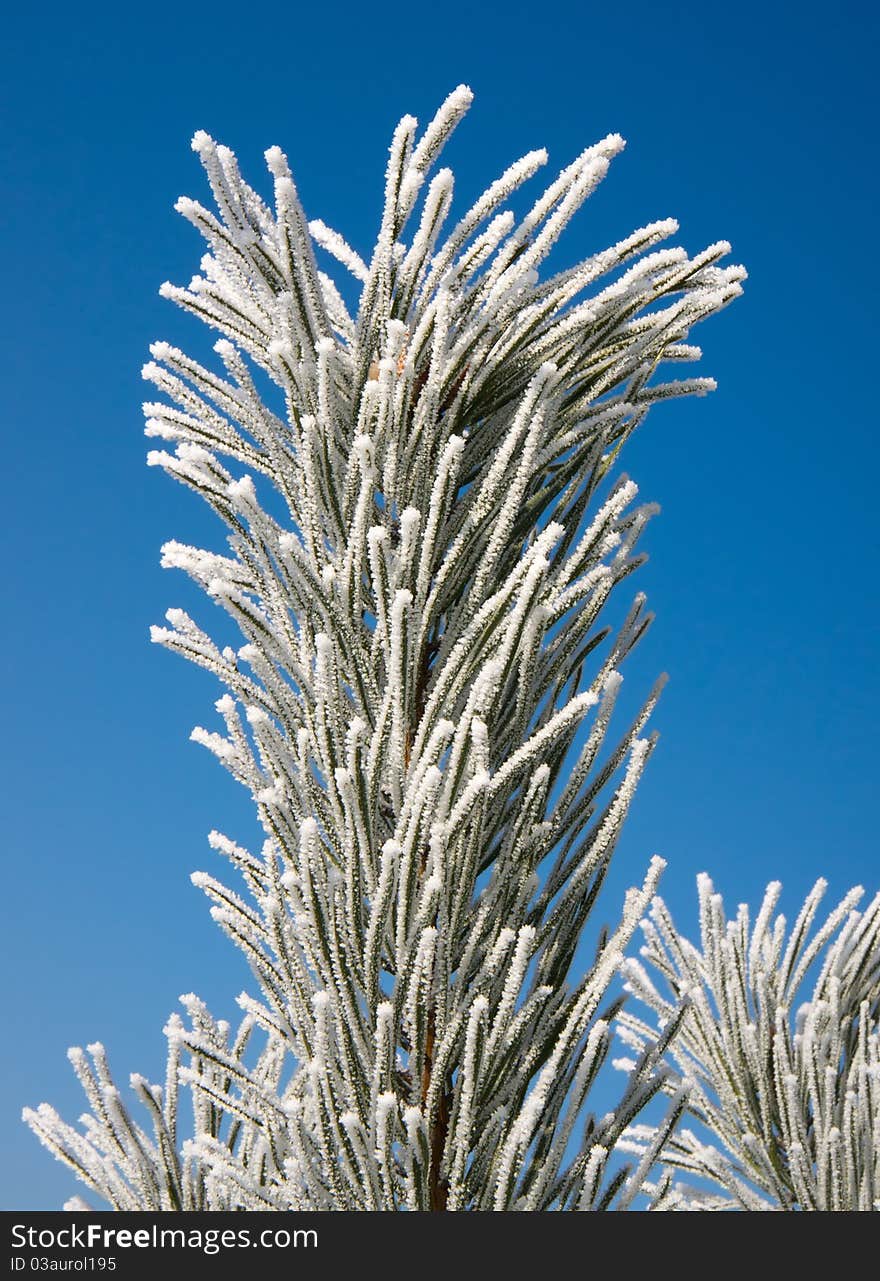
424, 535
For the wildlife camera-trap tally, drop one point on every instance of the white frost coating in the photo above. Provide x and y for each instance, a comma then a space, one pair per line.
417, 604
342, 252
795, 1092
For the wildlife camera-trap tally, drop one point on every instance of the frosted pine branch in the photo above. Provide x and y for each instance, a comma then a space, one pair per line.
422, 536
785, 1090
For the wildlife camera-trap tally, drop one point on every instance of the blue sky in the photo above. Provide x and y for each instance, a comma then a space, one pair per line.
757, 125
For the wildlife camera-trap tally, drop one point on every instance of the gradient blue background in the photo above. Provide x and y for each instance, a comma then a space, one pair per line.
756, 124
